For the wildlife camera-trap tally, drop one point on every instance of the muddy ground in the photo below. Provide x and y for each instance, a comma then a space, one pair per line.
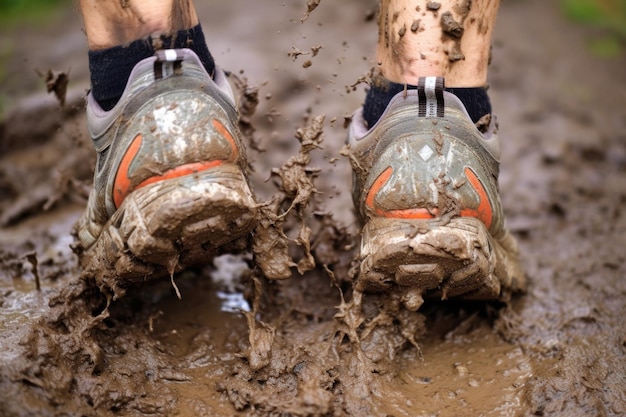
236, 344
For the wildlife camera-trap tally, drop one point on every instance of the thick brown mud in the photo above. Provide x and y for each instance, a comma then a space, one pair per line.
237, 343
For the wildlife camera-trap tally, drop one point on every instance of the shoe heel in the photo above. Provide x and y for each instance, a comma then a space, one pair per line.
425, 258
176, 223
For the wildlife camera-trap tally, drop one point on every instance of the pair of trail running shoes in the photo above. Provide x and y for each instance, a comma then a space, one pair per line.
170, 188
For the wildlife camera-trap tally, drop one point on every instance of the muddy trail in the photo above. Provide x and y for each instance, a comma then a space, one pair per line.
235, 343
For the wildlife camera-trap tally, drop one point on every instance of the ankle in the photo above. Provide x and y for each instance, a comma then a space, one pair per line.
112, 23
110, 68
475, 99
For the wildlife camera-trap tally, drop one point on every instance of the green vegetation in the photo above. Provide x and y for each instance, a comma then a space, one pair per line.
30, 11
608, 15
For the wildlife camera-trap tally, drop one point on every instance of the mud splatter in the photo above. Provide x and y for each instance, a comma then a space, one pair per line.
433, 5
270, 244
182, 16
345, 361
247, 105
56, 83
415, 25
462, 8
454, 53
310, 6
453, 30
260, 335
451, 27
295, 52
402, 31
483, 123
32, 258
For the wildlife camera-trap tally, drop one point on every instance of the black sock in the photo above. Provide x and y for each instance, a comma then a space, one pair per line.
475, 100
110, 68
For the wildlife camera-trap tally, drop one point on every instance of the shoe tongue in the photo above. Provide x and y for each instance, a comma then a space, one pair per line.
430, 93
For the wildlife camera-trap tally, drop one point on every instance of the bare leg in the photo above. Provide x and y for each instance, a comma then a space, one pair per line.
449, 38
110, 23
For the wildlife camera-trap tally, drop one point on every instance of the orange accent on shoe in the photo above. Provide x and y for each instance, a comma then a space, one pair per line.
374, 189
122, 185
483, 212
219, 126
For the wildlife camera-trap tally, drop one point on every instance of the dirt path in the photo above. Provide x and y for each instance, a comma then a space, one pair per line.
560, 350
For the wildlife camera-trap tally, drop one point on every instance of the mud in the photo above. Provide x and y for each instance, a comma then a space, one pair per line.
453, 30
451, 27
241, 344
433, 5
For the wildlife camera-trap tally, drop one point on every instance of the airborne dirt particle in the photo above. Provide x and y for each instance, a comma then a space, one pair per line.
295, 53
56, 83
32, 258
310, 6
316, 49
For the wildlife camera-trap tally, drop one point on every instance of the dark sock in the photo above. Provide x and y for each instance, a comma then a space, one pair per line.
475, 100
110, 68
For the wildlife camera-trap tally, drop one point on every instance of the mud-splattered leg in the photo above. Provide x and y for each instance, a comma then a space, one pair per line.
110, 23
449, 38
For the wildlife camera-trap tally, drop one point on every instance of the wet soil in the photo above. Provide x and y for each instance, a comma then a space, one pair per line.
239, 344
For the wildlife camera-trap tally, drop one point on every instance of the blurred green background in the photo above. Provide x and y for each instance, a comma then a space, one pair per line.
609, 16
14, 12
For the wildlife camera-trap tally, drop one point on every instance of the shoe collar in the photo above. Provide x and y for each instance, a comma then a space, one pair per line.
143, 75
358, 127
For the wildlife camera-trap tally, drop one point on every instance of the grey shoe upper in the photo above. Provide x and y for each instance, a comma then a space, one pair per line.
413, 166
171, 114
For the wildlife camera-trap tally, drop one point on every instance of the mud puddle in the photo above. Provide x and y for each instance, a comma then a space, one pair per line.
195, 354
295, 348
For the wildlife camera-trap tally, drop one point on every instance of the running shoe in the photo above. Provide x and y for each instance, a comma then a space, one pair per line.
426, 190
170, 188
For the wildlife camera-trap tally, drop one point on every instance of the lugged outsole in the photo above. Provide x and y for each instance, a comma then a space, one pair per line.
427, 259
170, 225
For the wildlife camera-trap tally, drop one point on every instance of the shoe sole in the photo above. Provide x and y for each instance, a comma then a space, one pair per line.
420, 259
172, 224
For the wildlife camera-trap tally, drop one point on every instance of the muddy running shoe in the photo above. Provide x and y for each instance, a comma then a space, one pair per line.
169, 185
425, 186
